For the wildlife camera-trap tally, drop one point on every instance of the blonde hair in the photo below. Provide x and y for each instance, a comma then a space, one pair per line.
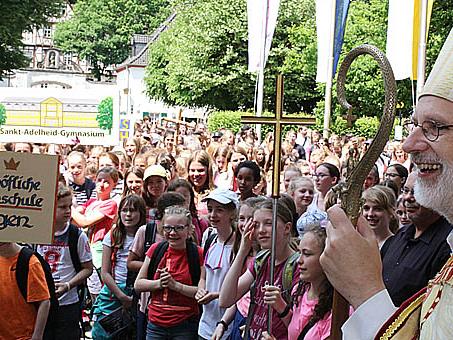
384, 198
297, 182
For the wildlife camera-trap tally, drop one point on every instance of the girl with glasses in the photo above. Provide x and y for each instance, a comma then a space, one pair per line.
398, 174
326, 177
173, 312
146, 235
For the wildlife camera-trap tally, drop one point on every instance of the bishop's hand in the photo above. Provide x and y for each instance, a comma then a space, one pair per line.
351, 258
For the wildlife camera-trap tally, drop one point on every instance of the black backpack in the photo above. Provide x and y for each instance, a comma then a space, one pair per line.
150, 238
22, 269
210, 240
73, 241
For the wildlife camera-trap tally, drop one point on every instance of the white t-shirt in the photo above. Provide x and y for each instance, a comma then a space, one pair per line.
121, 257
217, 263
58, 257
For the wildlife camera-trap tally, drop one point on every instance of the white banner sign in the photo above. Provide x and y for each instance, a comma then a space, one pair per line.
60, 116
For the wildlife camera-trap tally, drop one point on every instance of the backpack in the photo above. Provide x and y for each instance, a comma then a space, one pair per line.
22, 268
210, 240
73, 242
150, 238
192, 257
287, 281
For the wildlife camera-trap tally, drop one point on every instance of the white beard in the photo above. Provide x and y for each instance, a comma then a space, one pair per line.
438, 194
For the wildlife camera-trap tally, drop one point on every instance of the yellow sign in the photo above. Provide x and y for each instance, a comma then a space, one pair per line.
28, 186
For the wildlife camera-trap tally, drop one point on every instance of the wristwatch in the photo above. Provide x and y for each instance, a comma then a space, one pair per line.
223, 323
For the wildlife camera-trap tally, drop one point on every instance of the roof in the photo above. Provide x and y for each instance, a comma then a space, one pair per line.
141, 59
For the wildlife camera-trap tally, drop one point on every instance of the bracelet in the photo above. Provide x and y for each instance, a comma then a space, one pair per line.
285, 312
68, 285
224, 324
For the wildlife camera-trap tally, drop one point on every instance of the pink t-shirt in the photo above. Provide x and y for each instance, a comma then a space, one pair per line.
109, 209
243, 303
302, 314
200, 225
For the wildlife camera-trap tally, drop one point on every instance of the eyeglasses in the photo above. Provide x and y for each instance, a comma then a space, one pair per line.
401, 213
392, 175
430, 129
320, 176
407, 191
176, 228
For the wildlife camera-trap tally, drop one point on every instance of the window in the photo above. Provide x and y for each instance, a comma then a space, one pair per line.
47, 32
52, 59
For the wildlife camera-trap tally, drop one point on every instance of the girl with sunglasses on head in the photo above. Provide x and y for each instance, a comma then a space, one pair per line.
218, 258
401, 213
147, 235
116, 244
171, 272
184, 188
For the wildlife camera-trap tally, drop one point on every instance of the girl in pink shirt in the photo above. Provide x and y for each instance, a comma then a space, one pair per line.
308, 316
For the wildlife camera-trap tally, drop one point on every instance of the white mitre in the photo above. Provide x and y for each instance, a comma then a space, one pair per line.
440, 80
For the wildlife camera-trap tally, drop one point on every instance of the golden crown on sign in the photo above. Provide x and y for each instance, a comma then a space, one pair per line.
11, 164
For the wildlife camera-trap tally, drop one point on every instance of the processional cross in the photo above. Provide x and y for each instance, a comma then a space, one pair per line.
278, 121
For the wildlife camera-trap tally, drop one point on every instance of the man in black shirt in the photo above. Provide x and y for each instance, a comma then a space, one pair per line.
417, 252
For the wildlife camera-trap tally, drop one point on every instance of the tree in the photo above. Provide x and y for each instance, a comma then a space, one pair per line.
105, 114
2, 115
17, 17
100, 30
202, 59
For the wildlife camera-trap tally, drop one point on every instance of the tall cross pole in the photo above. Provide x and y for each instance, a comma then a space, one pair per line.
278, 121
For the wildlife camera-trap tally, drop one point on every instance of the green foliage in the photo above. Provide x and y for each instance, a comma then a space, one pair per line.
105, 114
2, 115
366, 127
100, 30
231, 120
202, 59
16, 17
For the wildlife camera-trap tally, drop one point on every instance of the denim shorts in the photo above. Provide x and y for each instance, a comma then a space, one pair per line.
186, 330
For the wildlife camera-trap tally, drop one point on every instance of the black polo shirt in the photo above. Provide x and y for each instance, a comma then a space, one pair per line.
408, 263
